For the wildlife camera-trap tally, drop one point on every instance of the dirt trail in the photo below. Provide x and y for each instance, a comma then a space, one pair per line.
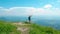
24, 28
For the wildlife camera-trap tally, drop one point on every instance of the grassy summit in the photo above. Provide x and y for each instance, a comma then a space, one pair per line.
37, 29
9, 28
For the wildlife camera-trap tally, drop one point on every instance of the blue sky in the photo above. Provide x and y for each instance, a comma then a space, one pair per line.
29, 7
28, 3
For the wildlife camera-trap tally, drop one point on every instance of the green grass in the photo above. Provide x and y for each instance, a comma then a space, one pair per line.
37, 29
8, 28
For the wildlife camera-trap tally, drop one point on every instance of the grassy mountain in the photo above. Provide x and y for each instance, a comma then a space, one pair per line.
8, 28
36, 29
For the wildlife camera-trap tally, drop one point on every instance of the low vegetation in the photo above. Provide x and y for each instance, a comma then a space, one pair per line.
8, 28
37, 29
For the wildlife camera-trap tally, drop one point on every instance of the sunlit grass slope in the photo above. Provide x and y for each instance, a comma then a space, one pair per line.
37, 29
8, 28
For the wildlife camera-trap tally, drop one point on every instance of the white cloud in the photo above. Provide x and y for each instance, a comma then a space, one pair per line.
17, 11
21, 11
48, 6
